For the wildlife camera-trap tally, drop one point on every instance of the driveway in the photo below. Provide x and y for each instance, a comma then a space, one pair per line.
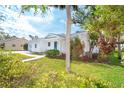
35, 57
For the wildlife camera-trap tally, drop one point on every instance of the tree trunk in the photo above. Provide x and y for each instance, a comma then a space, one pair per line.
119, 48
90, 52
68, 33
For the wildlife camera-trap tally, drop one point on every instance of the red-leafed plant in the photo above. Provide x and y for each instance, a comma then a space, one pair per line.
106, 46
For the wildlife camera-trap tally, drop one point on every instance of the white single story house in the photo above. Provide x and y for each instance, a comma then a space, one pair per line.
56, 41
52, 41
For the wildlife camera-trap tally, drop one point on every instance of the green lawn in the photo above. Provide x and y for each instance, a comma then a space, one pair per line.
112, 73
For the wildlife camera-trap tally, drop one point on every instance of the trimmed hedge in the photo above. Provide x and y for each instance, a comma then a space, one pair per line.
52, 53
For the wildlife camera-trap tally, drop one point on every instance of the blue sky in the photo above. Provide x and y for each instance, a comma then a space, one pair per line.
27, 24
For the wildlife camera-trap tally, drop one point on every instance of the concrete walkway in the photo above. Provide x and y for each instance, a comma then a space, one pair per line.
32, 59
27, 53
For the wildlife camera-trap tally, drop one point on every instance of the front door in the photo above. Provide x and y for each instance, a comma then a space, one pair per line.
55, 45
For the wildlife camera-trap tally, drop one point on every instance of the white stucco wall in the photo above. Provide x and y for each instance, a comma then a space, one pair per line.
84, 38
63, 45
95, 49
60, 41
42, 44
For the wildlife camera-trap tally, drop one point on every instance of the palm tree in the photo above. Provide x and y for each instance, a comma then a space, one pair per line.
68, 32
68, 26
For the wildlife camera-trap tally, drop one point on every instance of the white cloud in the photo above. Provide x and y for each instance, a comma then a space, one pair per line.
21, 25
46, 18
42, 19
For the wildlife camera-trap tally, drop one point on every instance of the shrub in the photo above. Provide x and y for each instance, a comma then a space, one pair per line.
85, 58
25, 47
94, 55
76, 48
62, 56
52, 53
13, 72
2, 46
122, 50
63, 80
106, 46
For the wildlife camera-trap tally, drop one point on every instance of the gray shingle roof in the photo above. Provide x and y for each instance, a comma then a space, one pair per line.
52, 35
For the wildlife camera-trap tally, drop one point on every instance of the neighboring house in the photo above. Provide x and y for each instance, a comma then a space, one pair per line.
56, 41
13, 43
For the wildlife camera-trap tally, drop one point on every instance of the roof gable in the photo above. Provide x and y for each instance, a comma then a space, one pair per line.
51, 35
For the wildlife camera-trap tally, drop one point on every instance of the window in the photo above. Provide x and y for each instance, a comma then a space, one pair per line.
48, 43
13, 45
35, 45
